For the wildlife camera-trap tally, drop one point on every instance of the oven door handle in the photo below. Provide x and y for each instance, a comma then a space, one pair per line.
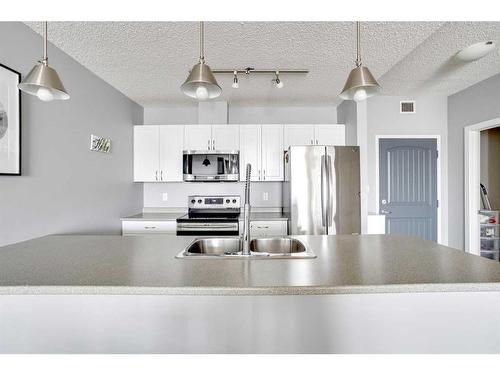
207, 226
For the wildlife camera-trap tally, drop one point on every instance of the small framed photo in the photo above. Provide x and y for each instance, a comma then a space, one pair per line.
10, 122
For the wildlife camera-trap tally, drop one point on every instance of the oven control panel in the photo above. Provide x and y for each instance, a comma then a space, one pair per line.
214, 201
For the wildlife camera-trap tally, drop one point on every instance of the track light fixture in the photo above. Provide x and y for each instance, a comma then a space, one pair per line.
360, 83
235, 84
249, 71
43, 81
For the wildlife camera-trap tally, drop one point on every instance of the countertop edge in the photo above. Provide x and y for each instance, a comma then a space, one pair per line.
249, 291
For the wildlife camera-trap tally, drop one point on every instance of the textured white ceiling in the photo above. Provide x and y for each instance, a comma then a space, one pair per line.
148, 61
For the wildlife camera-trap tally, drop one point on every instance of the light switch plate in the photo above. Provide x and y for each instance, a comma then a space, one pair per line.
265, 196
164, 196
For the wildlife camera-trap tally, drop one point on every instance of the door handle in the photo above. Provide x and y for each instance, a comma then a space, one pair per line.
331, 190
385, 212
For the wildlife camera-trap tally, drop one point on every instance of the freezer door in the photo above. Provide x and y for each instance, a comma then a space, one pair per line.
343, 202
307, 216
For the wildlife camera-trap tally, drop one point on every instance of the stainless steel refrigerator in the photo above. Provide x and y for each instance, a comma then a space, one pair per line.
321, 191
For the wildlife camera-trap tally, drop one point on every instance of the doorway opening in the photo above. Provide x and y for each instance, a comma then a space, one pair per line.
472, 180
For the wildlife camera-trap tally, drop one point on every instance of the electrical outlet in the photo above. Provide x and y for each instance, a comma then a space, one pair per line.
164, 196
265, 196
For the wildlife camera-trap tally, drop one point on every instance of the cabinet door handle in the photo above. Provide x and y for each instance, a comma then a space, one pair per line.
213, 144
264, 174
208, 145
316, 141
161, 175
149, 227
156, 175
312, 142
259, 174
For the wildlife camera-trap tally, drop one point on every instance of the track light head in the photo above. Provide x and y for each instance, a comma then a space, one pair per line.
235, 84
278, 81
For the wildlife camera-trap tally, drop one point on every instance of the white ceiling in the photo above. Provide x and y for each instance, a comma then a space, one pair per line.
148, 61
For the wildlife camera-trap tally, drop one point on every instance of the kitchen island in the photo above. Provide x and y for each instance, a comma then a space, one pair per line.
369, 293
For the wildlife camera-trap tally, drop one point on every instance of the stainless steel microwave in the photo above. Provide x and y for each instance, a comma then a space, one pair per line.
211, 166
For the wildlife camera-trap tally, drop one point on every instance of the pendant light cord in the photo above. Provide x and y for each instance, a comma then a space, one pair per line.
358, 43
202, 42
45, 58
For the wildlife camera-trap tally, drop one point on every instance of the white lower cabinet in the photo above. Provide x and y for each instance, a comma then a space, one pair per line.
139, 227
272, 228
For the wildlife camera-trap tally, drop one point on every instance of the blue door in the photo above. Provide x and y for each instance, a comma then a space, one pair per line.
408, 186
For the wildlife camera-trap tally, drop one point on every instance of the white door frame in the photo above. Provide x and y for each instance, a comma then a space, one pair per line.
472, 175
438, 165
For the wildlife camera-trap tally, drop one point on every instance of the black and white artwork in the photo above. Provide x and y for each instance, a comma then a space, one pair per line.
10, 122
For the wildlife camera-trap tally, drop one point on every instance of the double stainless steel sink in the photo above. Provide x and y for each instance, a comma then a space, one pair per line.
261, 248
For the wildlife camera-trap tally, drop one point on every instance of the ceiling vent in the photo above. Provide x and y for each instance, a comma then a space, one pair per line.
407, 106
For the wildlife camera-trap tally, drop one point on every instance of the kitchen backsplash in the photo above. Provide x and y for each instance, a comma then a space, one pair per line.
262, 194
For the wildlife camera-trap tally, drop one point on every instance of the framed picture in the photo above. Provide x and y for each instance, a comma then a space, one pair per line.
10, 122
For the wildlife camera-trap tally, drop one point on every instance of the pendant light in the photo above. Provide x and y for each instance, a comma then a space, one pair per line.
201, 83
360, 84
43, 81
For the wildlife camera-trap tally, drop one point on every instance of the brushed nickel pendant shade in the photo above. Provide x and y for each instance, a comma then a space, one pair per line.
201, 83
43, 81
360, 83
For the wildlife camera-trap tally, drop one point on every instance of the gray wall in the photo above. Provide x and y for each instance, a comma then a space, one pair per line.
246, 115
385, 119
347, 114
65, 187
477, 103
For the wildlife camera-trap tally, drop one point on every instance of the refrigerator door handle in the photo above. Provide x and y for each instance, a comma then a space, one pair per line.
331, 190
324, 192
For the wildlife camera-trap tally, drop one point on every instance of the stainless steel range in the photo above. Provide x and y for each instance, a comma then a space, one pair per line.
211, 215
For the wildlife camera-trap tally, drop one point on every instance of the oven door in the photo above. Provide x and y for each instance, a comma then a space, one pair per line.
197, 228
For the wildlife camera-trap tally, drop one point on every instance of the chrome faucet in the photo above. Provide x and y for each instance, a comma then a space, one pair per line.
245, 248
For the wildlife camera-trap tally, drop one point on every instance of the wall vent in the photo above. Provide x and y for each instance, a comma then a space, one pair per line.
407, 106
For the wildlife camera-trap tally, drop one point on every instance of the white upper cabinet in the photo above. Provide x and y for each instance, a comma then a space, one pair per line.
158, 153
331, 134
211, 137
250, 151
226, 137
198, 137
272, 153
303, 135
298, 135
171, 152
146, 153
262, 147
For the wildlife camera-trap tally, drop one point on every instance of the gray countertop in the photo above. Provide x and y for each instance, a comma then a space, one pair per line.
111, 264
171, 216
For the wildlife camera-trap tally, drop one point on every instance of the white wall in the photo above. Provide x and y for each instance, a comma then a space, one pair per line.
237, 114
430, 119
